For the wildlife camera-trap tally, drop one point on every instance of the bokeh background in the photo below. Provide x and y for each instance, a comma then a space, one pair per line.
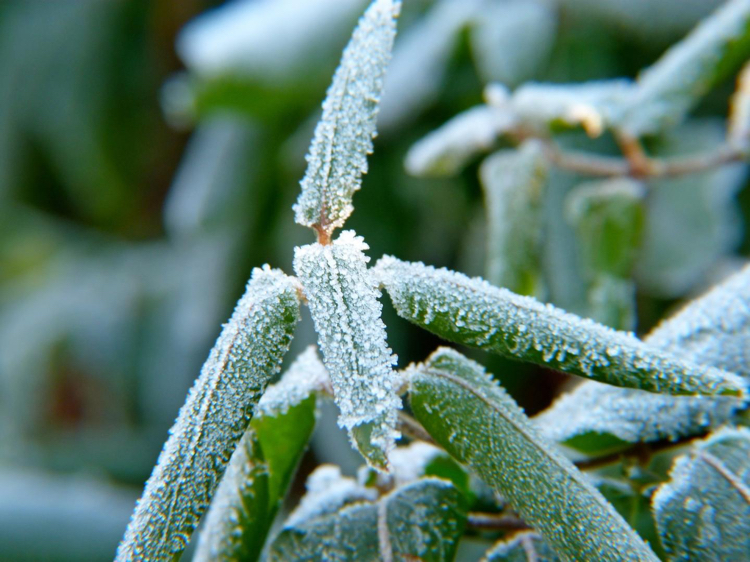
150, 152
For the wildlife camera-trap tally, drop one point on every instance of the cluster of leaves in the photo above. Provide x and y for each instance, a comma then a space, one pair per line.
478, 463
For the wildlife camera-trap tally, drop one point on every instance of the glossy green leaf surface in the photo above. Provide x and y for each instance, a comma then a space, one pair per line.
479, 424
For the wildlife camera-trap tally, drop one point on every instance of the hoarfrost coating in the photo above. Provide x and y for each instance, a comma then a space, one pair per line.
218, 409
344, 305
473, 312
343, 137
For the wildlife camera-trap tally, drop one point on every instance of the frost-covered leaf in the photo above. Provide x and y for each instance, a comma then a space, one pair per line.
479, 424
739, 115
608, 220
594, 106
343, 137
262, 466
422, 520
473, 312
703, 512
343, 302
217, 412
511, 40
691, 221
713, 329
514, 184
446, 150
420, 58
668, 90
523, 547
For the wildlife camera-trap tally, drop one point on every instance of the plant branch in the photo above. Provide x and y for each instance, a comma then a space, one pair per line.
637, 164
640, 451
410, 427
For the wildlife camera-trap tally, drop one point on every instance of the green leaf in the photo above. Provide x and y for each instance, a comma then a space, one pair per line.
668, 90
511, 41
421, 520
703, 512
713, 330
343, 302
262, 466
526, 546
692, 222
343, 137
608, 219
473, 312
479, 424
216, 414
514, 183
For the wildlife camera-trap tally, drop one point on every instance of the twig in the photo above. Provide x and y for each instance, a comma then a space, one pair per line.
495, 522
638, 165
641, 451
410, 427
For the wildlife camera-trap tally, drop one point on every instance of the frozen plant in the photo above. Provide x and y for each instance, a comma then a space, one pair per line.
477, 461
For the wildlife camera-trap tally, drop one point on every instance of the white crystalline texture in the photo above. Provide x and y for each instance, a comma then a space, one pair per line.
739, 115
473, 312
343, 137
446, 150
713, 330
305, 376
343, 301
327, 492
409, 463
218, 409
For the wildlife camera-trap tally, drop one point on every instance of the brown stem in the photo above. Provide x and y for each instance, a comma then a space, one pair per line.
638, 165
640, 451
410, 427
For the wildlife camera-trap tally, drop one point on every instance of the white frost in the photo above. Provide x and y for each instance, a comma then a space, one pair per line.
343, 301
343, 137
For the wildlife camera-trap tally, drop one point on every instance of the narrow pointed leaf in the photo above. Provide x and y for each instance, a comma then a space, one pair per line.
216, 414
343, 302
262, 466
523, 547
703, 512
479, 424
422, 520
343, 137
473, 312
670, 88
446, 150
514, 184
713, 330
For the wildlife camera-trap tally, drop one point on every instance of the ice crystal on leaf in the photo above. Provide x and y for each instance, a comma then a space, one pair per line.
217, 412
343, 137
713, 330
473, 312
343, 301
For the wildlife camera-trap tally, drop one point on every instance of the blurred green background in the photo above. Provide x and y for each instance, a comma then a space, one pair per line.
149, 158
